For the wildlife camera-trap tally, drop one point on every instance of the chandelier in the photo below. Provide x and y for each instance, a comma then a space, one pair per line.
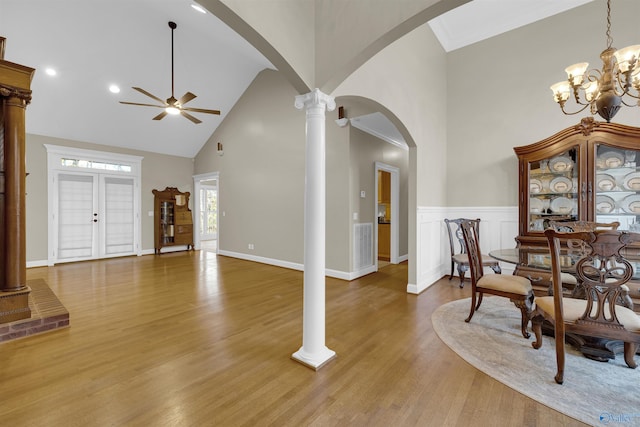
604, 90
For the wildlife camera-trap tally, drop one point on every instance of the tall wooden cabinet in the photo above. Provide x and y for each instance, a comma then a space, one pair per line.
173, 222
588, 172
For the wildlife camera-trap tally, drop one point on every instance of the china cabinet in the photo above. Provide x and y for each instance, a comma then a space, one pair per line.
587, 172
173, 223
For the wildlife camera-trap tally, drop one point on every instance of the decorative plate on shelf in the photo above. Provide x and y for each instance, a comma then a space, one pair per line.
631, 204
632, 181
611, 159
605, 182
604, 204
535, 186
560, 164
561, 184
561, 205
535, 205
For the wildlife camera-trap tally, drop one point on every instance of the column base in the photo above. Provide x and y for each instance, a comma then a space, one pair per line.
14, 305
314, 361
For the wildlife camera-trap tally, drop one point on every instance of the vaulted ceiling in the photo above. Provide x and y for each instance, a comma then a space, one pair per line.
93, 44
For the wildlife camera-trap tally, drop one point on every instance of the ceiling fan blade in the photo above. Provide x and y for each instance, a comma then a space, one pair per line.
144, 105
186, 98
150, 95
160, 116
201, 110
190, 117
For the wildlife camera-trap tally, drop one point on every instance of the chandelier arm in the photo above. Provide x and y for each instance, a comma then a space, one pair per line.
576, 96
576, 112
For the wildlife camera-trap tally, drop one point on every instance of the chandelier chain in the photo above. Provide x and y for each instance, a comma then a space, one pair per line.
609, 38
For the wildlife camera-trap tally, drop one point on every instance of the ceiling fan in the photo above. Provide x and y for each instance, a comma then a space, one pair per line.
173, 105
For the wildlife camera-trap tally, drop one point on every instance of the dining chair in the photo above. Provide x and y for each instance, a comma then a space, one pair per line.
603, 272
459, 256
575, 226
518, 289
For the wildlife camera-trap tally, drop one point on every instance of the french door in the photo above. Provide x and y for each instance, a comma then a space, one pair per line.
95, 217
94, 204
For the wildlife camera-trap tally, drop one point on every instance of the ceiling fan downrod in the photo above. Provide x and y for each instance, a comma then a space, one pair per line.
173, 26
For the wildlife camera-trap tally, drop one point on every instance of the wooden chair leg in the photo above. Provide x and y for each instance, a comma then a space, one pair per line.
524, 311
560, 357
473, 306
629, 352
536, 325
479, 301
451, 274
461, 270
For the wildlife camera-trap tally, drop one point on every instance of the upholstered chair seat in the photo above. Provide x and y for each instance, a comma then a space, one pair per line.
573, 309
506, 283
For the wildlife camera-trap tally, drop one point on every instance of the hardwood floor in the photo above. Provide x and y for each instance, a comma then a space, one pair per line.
195, 339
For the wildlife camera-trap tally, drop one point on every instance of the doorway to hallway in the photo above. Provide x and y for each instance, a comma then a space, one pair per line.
206, 191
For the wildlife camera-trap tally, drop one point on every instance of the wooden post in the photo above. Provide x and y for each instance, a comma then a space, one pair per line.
15, 95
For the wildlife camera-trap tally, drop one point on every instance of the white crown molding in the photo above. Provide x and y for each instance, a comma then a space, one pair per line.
359, 125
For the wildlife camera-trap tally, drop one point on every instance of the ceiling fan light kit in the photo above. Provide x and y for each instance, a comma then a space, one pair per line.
172, 105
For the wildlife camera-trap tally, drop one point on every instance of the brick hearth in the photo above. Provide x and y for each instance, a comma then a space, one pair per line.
47, 314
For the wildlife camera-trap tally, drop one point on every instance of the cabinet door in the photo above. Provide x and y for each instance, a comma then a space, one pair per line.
556, 190
167, 222
616, 186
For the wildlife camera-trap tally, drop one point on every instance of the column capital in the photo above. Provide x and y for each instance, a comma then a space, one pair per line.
315, 98
12, 92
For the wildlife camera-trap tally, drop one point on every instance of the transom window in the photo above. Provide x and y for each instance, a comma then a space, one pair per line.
89, 164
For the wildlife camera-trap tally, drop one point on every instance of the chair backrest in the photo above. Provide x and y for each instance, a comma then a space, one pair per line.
575, 226
577, 246
471, 237
602, 270
456, 240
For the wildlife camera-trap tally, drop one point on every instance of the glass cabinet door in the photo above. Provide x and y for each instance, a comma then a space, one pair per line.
554, 190
167, 231
617, 187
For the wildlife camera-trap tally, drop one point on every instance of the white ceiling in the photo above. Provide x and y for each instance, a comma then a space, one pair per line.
96, 43
481, 19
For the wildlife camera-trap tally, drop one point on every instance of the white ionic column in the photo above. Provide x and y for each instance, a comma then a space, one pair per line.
313, 352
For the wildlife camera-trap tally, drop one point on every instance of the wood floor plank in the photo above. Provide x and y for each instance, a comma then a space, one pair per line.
193, 338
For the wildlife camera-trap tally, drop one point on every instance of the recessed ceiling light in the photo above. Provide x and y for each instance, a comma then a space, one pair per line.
114, 89
198, 8
50, 71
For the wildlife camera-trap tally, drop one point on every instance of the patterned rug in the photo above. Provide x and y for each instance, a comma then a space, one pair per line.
593, 392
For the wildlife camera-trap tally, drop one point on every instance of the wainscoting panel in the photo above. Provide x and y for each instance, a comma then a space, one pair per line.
498, 229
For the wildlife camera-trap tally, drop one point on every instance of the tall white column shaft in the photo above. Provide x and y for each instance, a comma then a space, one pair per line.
313, 352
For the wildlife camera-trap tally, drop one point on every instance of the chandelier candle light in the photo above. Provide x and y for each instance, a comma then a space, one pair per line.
602, 90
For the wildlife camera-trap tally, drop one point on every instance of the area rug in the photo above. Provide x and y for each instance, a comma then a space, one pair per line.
596, 393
